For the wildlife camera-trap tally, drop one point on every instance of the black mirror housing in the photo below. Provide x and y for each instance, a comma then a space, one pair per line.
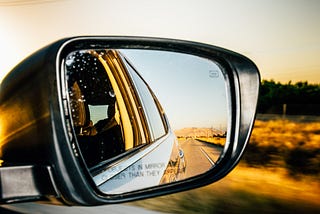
37, 141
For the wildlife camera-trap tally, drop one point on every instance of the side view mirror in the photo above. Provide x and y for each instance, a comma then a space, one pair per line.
98, 120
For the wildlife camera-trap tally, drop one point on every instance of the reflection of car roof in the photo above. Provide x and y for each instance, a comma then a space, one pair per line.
90, 73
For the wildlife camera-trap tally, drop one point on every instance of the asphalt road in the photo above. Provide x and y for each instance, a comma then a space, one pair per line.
199, 156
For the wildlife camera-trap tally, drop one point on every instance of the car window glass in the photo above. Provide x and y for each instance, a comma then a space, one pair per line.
154, 116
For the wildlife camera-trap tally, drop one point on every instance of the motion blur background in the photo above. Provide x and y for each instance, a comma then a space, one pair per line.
280, 170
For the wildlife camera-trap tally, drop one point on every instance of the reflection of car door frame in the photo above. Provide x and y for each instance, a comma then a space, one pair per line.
130, 96
130, 123
125, 118
130, 102
139, 102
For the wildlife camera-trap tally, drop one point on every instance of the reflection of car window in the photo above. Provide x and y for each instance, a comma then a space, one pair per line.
98, 112
154, 118
93, 108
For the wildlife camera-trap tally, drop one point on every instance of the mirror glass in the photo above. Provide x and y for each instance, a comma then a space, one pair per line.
145, 117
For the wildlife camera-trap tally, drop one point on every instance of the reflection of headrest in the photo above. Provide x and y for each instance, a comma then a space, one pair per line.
79, 109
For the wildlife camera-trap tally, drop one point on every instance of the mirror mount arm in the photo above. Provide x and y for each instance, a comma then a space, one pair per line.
26, 183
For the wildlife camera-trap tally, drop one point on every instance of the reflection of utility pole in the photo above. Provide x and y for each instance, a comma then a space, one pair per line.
284, 110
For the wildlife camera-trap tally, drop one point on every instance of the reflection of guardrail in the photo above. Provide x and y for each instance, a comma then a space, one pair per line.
295, 118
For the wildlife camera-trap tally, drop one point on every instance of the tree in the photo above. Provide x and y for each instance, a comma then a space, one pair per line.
301, 97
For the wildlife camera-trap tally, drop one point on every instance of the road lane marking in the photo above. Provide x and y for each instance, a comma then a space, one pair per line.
207, 156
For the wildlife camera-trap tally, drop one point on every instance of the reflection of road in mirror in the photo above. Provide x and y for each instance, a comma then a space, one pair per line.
199, 155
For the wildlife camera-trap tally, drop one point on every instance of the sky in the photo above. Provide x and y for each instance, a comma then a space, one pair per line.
282, 37
191, 89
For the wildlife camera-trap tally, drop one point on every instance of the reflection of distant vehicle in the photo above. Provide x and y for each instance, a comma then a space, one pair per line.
114, 112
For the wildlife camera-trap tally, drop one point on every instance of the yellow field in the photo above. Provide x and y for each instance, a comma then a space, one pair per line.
286, 133
262, 188
245, 190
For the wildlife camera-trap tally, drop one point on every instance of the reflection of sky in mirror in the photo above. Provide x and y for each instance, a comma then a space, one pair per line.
191, 89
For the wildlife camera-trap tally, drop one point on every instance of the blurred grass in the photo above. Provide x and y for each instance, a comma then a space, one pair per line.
294, 146
270, 178
245, 190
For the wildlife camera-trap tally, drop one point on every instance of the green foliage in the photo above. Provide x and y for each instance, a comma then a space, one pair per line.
301, 97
